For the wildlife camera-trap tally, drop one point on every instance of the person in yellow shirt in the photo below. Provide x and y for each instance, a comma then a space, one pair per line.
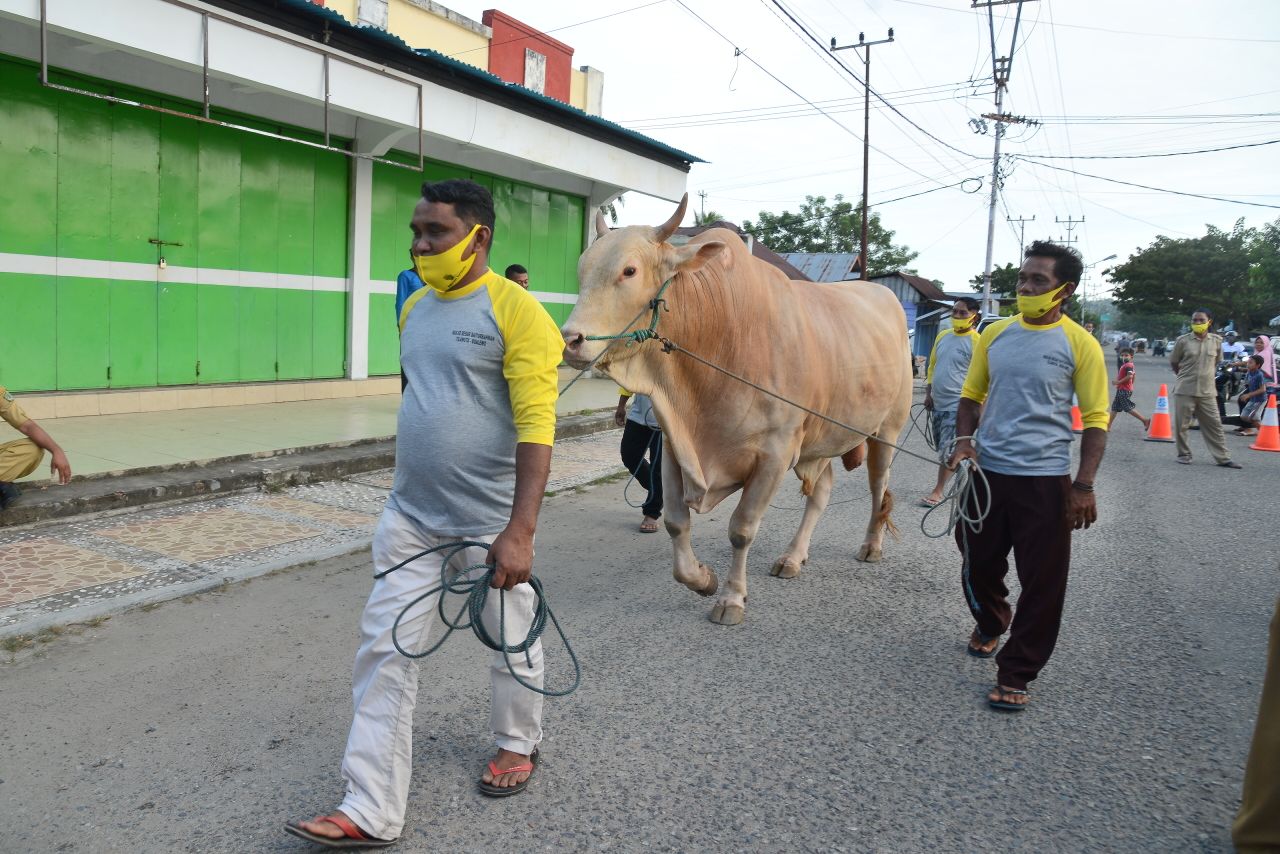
20, 457
474, 435
1023, 375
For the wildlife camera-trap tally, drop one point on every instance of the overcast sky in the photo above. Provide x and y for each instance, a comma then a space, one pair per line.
1103, 77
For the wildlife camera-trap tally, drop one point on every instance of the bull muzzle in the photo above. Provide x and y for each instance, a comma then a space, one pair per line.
574, 344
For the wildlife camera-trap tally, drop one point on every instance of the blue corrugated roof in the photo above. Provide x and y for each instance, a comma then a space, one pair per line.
824, 266
395, 43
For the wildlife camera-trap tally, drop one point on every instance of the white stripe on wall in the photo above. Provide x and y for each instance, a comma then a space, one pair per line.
385, 286
124, 271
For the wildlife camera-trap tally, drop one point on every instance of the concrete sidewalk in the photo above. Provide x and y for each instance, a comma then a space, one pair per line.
88, 567
116, 444
129, 460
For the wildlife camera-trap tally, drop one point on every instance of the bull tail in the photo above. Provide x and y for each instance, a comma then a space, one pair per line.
883, 517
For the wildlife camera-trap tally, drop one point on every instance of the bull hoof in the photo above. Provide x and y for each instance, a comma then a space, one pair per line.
727, 614
785, 567
869, 554
713, 583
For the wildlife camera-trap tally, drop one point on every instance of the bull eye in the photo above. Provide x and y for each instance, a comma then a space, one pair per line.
629, 271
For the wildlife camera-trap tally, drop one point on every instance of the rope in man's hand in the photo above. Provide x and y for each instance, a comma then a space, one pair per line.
473, 582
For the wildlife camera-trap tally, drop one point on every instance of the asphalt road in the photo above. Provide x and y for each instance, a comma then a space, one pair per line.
842, 715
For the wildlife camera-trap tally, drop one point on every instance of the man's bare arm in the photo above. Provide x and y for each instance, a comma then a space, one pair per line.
512, 551
58, 460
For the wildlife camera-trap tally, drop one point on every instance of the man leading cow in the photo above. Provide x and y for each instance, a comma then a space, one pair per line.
1024, 372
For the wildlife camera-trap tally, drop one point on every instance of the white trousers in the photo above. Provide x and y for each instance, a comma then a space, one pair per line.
379, 757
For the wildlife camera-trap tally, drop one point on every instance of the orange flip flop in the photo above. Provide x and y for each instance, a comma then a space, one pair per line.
354, 838
493, 791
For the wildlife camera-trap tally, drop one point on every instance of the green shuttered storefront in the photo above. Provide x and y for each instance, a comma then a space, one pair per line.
255, 242
89, 184
540, 229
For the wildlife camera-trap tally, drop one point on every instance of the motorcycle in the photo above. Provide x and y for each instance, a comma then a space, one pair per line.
1229, 381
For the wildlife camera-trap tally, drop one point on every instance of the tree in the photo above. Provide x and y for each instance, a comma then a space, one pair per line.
1234, 274
1004, 284
1004, 281
707, 218
819, 227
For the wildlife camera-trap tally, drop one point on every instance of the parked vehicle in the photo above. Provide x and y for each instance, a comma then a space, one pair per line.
1229, 381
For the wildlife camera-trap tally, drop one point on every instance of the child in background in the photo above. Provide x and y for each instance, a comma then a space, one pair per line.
1253, 398
1124, 390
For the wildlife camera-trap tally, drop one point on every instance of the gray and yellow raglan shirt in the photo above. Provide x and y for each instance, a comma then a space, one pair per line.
481, 368
948, 365
1025, 377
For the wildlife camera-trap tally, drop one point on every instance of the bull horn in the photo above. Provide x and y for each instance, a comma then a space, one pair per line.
668, 228
602, 227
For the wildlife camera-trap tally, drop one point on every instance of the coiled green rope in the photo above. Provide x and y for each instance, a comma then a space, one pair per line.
470, 616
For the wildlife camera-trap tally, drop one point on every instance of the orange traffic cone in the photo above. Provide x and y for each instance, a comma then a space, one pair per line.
1160, 430
1269, 432
1077, 423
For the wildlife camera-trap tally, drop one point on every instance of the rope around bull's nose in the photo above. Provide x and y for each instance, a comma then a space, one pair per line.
476, 590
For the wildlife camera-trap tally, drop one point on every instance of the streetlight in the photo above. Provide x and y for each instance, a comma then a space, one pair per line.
1087, 268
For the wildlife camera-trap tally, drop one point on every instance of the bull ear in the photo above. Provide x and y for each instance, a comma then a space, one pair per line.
668, 228
695, 256
602, 227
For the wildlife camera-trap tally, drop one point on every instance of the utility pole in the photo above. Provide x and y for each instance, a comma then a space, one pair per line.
1071, 226
1000, 70
703, 195
1022, 232
866, 130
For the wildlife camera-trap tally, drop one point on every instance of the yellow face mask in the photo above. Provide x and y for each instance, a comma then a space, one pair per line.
443, 271
1200, 328
963, 324
1038, 306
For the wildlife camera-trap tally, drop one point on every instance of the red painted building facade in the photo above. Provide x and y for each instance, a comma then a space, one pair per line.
521, 54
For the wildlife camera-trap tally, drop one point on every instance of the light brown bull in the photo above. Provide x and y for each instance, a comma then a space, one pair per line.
839, 349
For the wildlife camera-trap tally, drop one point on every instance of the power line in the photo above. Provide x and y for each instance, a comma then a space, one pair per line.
1144, 156
919, 91
492, 44
800, 113
828, 57
1185, 118
1062, 95
1146, 186
854, 211
1106, 30
789, 88
861, 82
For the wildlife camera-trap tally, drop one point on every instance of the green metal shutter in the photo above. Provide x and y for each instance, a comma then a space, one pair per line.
177, 302
28, 218
135, 192
218, 306
329, 308
84, 206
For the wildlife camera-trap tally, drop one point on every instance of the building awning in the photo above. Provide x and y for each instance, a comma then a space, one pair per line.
294, 63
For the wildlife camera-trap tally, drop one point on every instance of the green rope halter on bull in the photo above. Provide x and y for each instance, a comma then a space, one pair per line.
657, 305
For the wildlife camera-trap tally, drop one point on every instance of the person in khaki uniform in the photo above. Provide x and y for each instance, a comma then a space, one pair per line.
20, 457
1195, 360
